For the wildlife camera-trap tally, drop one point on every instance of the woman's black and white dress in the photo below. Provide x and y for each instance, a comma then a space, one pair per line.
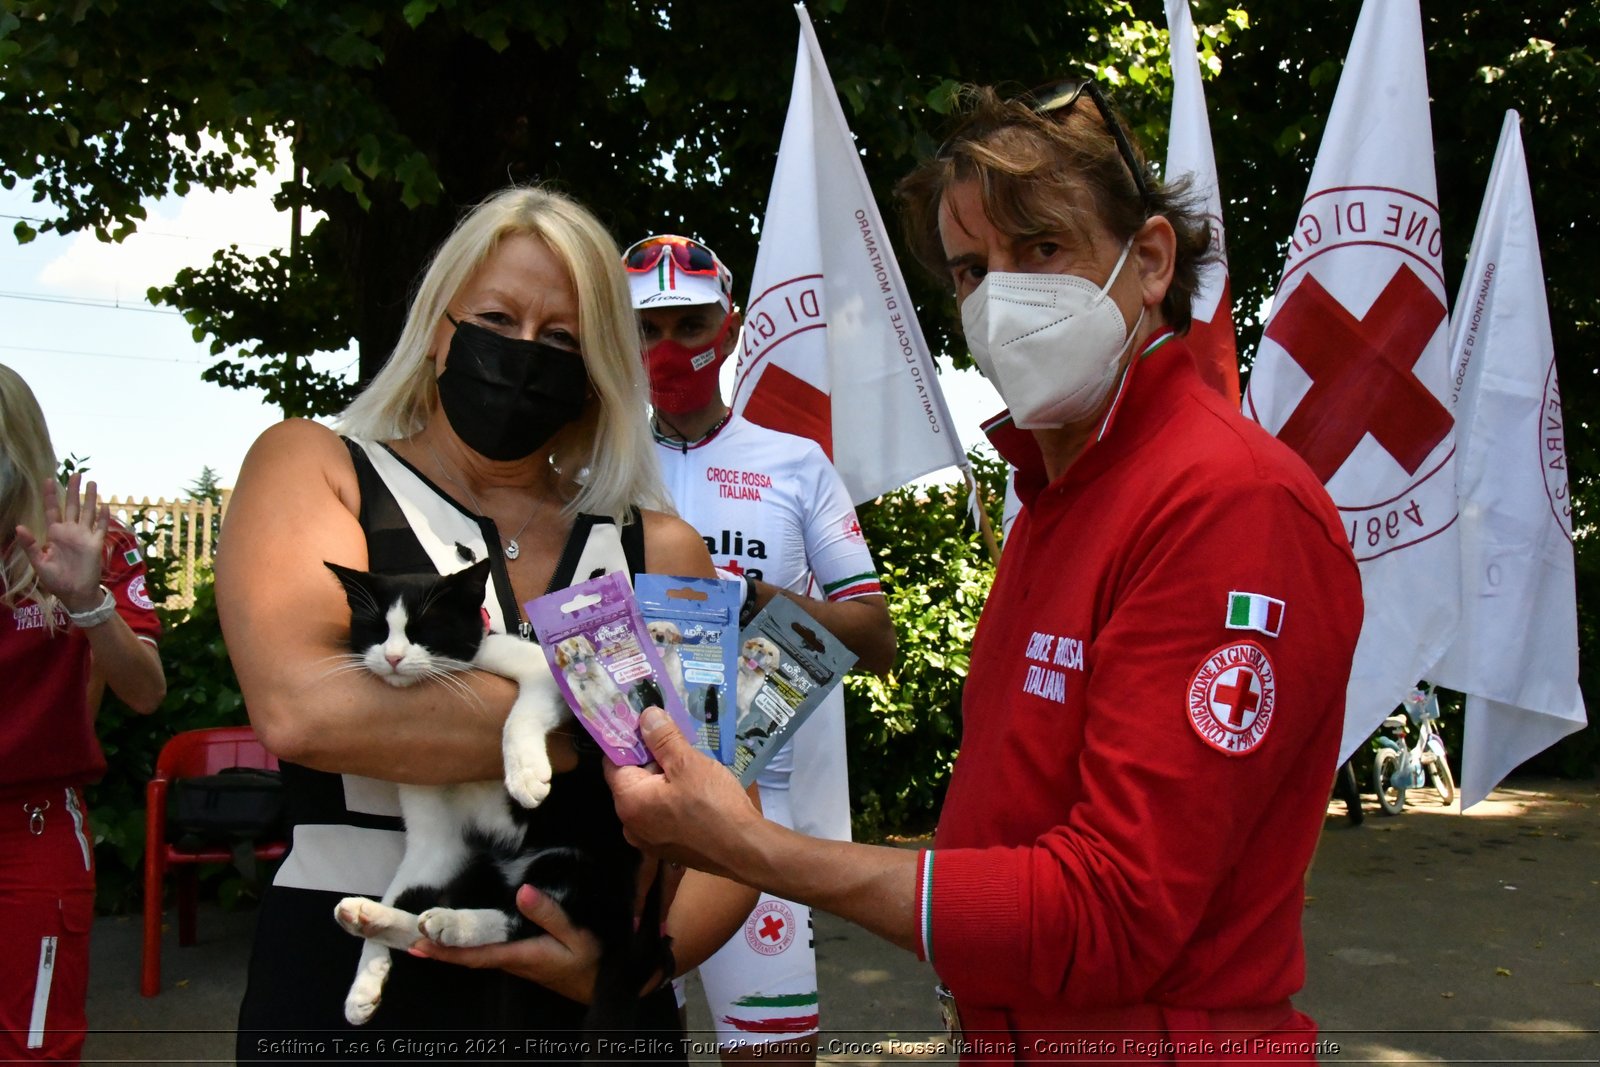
348, 839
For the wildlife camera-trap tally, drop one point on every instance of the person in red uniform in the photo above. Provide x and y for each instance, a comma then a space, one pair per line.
73, 615
1153, 712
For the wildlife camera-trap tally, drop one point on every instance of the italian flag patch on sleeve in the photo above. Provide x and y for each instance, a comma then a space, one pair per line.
131, 556
1253, 611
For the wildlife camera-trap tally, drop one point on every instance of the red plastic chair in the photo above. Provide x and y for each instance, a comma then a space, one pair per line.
188, 755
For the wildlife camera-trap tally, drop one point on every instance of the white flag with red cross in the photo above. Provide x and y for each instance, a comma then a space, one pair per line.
832, 349
1516, 655
1353, 370
1189, 152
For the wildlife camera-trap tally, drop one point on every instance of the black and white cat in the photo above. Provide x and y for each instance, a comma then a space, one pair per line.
469, 846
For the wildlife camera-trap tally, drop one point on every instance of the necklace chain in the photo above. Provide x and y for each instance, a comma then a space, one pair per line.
682, 441
513, 549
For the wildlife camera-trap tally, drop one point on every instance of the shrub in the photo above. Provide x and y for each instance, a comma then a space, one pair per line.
201, 692
904, 728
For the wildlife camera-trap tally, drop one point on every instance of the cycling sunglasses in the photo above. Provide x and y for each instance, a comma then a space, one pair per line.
691, 257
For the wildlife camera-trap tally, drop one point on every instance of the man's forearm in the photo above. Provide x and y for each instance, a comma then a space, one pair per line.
873, 886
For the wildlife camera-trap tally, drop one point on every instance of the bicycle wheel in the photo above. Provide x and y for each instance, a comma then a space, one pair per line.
1391, 798
1443, 780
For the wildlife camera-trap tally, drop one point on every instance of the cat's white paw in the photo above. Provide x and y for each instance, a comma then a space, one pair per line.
527, 774
512, 657
357, 915
464, 928
366, 992
376, 922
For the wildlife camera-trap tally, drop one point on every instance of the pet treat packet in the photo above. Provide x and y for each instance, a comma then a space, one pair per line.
787, 664
605, 663
694, 623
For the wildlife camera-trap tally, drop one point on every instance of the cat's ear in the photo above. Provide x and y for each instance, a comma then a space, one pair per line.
473, 578
463, 588
352, 580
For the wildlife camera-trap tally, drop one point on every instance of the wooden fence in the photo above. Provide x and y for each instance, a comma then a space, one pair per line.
184, 531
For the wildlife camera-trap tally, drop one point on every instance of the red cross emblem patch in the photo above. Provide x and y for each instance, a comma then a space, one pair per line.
770, 928
1231, 697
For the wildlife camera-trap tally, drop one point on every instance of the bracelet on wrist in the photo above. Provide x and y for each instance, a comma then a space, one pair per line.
96, 615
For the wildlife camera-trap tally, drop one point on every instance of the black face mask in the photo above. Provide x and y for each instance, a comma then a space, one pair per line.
506, 397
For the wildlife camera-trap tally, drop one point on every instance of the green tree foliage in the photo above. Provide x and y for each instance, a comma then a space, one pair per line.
662, 116
905, 728
206, 486
201, 692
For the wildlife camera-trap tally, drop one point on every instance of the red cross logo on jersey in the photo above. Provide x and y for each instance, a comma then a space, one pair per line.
732, 566
1362, 373
1238, 701
770, 928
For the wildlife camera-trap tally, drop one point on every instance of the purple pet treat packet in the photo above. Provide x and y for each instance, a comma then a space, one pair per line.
605, 663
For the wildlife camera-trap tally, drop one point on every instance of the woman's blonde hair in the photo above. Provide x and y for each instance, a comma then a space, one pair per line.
27, 462
607, 457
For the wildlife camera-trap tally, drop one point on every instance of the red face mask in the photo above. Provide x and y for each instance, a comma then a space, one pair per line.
681, 379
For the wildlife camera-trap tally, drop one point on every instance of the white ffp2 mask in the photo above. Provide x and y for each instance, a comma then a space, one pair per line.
1049, 343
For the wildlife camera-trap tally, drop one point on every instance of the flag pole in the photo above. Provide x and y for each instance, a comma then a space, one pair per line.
985, 527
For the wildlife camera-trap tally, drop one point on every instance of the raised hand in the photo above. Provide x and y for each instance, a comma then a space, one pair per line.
69, 561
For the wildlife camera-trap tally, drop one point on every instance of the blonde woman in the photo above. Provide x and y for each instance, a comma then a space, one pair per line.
508, 423
72, 607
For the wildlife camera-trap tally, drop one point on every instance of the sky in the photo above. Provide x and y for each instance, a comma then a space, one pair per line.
119, 379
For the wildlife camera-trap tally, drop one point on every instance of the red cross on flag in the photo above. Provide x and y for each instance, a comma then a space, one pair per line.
831, 348
1516, 656
1211, 336
1352, 371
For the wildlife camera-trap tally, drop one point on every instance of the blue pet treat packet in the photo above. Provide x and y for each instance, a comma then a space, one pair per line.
787, 664
694, 624
605, 663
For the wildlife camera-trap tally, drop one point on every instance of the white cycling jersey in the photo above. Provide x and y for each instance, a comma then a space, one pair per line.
770, 506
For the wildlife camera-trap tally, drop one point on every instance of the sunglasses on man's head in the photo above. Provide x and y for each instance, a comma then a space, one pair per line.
1062, 95
687, 256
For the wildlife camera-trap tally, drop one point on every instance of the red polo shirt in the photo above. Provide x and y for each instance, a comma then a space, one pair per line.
1150, 729
46, 729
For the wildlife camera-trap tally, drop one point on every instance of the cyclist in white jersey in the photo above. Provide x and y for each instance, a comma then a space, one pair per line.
772, 511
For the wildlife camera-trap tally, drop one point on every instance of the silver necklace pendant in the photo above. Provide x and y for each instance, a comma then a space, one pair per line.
512, 549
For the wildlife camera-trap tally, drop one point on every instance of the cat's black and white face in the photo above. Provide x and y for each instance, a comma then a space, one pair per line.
408, 627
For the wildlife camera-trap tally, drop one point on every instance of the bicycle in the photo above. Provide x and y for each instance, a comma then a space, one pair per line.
1399, 765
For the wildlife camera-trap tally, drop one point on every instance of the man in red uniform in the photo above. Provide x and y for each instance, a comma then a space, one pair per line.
1157, 683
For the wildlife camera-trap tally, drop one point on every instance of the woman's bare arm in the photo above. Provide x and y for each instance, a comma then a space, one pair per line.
286, 622
672, 547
